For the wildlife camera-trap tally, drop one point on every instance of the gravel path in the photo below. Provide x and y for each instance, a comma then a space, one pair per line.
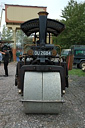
12, 115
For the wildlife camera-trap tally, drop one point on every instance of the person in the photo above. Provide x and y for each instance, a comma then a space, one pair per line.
5, 60
17, 55
0, 58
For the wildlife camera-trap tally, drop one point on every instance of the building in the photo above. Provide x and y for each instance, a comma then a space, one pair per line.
17, 14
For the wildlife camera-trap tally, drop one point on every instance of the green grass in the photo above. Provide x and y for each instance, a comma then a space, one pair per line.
77, 72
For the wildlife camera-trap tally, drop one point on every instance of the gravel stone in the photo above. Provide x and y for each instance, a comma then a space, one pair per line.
12, 114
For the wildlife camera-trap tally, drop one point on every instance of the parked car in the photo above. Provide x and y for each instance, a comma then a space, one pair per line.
65, 52
79, 55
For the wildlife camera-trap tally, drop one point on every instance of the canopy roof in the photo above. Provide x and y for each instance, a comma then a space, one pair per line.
32, 26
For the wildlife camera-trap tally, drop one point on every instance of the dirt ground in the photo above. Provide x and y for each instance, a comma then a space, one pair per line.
12, 114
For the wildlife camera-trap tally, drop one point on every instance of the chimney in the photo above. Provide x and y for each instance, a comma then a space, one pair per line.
42, 27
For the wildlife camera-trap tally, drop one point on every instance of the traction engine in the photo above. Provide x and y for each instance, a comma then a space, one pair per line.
41, 74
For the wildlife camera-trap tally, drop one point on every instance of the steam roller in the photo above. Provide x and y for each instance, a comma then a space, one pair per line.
42, 74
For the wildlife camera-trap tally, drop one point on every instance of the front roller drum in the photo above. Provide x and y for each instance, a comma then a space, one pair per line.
42, 92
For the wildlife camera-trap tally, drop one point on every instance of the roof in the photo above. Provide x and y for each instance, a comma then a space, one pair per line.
32, 26
26, 6
77, 47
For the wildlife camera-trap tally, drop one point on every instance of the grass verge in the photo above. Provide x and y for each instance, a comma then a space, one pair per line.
77, 72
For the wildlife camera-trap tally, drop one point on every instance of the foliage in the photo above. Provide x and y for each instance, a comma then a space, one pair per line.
22, 38
77, 72
7, 34
74, 19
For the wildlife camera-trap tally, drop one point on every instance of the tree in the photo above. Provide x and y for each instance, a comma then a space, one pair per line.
22, 38
7, 34
73, 16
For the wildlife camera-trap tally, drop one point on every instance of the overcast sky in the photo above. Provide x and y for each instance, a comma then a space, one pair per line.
54, 7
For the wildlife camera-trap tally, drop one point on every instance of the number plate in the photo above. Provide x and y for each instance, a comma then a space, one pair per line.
41, 53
